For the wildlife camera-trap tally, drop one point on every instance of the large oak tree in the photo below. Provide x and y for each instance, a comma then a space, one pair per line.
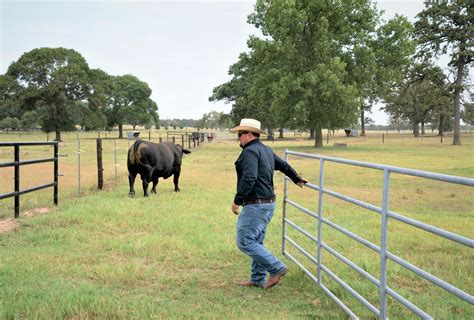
448, 27
52, 81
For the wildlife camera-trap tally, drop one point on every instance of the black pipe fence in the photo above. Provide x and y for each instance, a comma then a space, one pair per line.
17, 163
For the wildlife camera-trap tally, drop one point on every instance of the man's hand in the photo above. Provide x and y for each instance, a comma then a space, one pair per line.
302, 182
235, 209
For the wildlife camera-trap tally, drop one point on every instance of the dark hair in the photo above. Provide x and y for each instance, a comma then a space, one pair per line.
257, 135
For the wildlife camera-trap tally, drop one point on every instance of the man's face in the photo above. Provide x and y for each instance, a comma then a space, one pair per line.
243, 138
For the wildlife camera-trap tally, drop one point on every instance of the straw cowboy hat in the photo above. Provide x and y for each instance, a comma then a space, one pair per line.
251, 125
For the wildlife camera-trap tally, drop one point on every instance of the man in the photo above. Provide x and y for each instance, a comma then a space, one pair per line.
255, 167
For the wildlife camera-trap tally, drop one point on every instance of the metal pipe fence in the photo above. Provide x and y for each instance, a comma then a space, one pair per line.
382, 250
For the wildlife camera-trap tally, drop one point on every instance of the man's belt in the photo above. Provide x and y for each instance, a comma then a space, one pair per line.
258, 201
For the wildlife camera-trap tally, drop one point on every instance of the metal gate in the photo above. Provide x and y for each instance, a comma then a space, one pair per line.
381, 249
17, 163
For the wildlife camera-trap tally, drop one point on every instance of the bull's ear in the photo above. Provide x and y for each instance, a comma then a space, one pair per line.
186, 151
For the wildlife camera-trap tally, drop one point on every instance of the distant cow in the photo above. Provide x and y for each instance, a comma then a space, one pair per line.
153, 161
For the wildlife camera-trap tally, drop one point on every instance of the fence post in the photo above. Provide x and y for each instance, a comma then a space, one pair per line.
17, 181
78, 166
56, 166
383, 137
383, 245
115, 160
149, 135
100, 169
182, 140
285, 195
161, 139
173, 139
320, 216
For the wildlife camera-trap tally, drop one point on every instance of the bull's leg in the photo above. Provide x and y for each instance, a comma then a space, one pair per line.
131, 182
146, 178
145, 183
176, 179
155, 182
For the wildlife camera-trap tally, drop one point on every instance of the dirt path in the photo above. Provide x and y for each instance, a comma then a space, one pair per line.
10, 224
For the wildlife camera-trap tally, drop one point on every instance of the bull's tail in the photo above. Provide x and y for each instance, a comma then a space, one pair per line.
133, 155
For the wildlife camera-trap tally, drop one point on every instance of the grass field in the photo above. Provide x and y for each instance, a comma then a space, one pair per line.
173, 255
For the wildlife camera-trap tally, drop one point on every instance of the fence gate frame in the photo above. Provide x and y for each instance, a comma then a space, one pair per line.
384, 253
17, 163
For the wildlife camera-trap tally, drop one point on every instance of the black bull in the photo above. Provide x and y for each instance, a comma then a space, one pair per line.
153, 161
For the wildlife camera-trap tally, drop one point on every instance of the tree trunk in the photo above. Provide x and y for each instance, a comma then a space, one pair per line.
362, 121
120, 131
318, 141
457, 97
281, 133
312, 134
58, 135
416, 129
440, 125
422, 128
270, 134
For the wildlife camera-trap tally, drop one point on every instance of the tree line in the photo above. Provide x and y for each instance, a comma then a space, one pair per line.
324, 64
55, 89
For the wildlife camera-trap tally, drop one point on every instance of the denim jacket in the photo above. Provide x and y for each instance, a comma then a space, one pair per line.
255, 167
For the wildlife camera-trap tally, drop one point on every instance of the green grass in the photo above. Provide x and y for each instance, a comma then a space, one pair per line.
173, 255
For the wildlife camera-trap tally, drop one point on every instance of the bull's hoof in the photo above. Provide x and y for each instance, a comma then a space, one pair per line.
153, 191
146, 195
177, 190
131, 194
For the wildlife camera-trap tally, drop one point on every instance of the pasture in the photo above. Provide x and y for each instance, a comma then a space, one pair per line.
173, 255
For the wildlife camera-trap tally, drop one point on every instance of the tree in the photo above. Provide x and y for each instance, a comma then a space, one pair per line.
10, 104
318, 42
29, 120
421, 98
128, 101
52, 80
376, 58
10, 123
448, 26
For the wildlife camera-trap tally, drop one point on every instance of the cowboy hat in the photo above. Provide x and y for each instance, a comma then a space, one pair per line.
251, 125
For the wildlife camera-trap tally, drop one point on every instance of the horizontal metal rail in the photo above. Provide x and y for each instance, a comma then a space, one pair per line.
306, 233
410, 172
325, 289
408, 304
352, 235
27, 143
349, 289
24, 191
25, 162
427, 276
354, 267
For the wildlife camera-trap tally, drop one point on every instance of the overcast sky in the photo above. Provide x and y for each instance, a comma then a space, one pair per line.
182, 49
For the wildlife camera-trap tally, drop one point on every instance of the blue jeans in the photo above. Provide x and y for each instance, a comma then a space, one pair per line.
251, 228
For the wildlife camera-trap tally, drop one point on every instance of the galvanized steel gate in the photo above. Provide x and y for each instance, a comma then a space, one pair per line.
381, 249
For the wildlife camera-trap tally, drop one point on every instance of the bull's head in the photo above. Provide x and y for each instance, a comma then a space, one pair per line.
183, 151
